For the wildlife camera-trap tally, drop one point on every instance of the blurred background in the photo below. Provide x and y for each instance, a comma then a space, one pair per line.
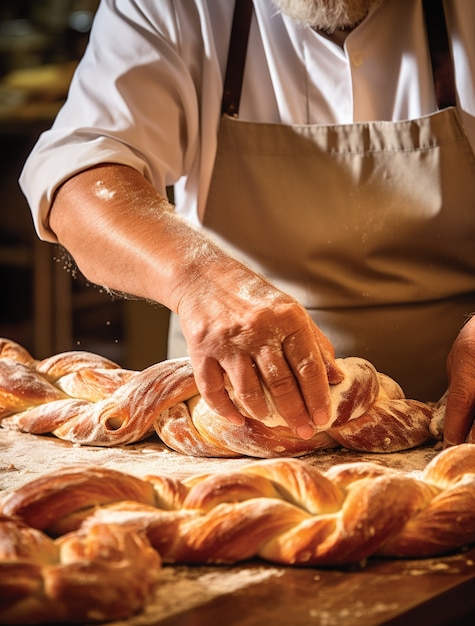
46, 304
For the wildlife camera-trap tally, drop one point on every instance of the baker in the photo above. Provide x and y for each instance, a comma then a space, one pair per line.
322, 159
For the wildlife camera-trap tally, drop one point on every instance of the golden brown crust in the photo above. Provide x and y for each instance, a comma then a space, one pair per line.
73, 488
22, 387
87, 399
15, 352
115, 529
96, 574
58, 365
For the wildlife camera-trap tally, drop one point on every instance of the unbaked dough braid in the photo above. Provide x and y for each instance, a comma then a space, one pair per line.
285, 511
87, 399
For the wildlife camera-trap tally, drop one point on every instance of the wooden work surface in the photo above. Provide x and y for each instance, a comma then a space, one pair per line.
438, 591
406, 593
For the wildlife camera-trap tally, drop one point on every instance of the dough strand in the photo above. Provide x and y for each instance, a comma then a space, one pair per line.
86, 399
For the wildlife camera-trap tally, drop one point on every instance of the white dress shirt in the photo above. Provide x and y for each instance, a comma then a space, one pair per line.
148, 91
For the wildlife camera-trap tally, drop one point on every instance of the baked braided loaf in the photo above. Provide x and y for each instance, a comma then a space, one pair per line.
86, 399
71, 542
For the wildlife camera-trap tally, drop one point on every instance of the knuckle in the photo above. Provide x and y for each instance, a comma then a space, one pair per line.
196, 333
250, 398
461, 396
212, 390
248, 390
281, 386
308, 368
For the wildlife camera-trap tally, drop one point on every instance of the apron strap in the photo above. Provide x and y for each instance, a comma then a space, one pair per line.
236, 57
441, 60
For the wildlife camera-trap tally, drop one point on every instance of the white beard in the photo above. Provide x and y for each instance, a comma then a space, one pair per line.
327, 15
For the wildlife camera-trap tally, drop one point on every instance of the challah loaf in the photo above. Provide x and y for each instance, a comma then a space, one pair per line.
87, 399
86, 543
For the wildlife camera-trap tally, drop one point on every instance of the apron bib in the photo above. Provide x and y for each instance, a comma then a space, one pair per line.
371, 226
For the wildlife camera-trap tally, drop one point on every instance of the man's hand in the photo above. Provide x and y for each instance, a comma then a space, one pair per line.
241, 328
460, 413
238, 327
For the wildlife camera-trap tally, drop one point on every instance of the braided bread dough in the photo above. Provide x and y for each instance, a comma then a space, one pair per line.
86, 543
86, 399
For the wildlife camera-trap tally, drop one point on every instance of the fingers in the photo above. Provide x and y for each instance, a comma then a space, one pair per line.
210, 380
247, 390
327, 351
286, 383
292, 374
460, 409
459, 414
309, 375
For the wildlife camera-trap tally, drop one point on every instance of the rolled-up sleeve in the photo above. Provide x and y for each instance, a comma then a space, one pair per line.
135, 99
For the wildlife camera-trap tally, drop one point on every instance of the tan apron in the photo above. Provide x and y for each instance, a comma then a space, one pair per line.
371, 226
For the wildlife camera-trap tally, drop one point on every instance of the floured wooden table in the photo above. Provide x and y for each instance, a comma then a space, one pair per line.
435, 590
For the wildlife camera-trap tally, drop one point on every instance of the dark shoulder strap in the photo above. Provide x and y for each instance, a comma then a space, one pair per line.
440, 53
236, 57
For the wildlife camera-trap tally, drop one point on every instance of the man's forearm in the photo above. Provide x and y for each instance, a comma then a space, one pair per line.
127, 237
